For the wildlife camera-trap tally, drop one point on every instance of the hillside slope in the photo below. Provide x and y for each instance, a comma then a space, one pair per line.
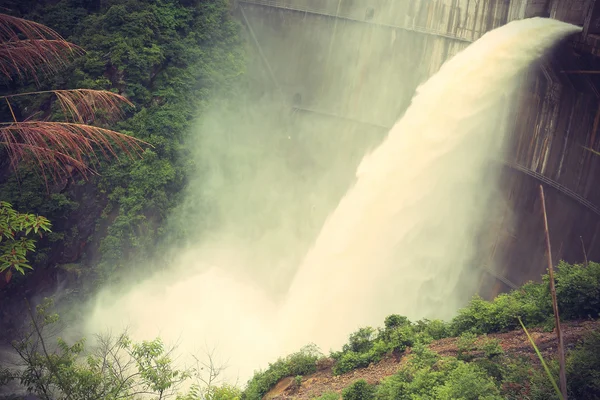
513, 343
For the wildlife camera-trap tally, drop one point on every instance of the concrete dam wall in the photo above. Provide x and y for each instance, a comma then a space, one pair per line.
350, 68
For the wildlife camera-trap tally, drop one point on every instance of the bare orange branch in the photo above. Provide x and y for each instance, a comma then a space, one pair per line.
56, 145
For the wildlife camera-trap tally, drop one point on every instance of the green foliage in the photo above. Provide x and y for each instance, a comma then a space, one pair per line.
465, 345
435, 329
297, 383
301, 363
170, 58
578, 297
329, 396
359, 390
223, 392
468, 382
116, 368
577, 289
367, 345
427, 376
350, 360
16, 230
491, 348
583, 369
395, 321
360, 341
521, 380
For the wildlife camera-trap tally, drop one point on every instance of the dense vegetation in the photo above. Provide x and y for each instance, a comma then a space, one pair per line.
170, 58
167, 57
113, 367
480, 370
467, 376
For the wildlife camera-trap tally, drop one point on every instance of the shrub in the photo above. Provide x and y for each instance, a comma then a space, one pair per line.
304, 362
297, 383
361, 340
467, 382
427, 376
395, 321
465, 345
400, 338
583, 369
521, 380
329, 396
225, 392
436, 329
359, 390
491, 348
578, 290
349, 361
301, 363
366, 345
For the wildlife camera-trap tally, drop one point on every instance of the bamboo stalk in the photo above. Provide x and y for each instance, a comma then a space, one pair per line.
561, 348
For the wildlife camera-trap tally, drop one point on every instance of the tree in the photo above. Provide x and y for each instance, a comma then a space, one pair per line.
29, 49
115, 368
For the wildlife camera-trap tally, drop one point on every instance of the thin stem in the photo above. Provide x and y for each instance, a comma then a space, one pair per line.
585, 259
561, 348
537, 351
51, 365
11, 110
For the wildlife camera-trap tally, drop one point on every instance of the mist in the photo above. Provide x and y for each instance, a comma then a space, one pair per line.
300, 227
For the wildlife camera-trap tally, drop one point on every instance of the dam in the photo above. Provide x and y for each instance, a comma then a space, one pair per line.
325, 62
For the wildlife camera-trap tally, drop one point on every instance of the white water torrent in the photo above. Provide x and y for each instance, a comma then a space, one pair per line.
401, 238
400, 241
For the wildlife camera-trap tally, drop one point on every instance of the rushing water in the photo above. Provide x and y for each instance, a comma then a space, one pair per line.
402, 240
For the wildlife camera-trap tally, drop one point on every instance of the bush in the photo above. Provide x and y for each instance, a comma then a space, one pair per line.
465, 345
578, 290
225, 392
367, 346
395, 321
583, 369
427, 376
467, 382
349, 361
400, 338
303, 362
359, 390
491, 348
521, 380
297, 383
329, 396
360, 341
436, 329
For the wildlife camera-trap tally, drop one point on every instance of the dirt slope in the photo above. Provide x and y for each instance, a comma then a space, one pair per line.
512, 343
